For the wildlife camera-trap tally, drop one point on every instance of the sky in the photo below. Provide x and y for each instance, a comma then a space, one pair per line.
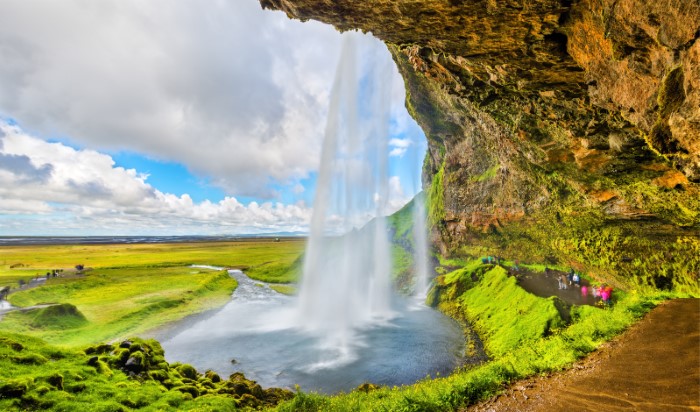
171, 117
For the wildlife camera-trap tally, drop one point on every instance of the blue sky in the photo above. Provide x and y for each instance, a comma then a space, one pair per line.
205, 119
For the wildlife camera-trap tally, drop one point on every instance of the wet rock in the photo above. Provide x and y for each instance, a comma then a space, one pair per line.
134, 364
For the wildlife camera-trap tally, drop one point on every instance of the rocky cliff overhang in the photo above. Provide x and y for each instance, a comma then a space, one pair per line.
541, 111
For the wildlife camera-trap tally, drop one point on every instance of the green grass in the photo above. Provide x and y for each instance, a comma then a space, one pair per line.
240, 254
524, 319
436, 198
284, 289
121, 302
131, 289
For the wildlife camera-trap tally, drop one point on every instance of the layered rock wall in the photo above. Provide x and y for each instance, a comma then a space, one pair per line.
558, 130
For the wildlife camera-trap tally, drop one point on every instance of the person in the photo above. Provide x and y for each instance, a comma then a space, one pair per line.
584, 291
609, 291
594, 292
576, 279
562, 280
605, 294
561, 284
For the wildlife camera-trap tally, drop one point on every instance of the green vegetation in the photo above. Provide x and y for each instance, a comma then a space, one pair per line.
436, 198
119, 302
29, 261
129, 375
130, 289
488, 174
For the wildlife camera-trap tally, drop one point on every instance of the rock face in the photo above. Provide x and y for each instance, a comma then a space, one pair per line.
563, 131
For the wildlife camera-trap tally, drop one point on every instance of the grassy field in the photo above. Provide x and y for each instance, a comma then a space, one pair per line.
129, 289
257, 256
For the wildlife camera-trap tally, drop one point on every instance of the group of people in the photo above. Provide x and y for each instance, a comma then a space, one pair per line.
572, 278
604, 292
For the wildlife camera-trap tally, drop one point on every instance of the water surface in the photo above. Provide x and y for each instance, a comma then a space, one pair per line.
258, 333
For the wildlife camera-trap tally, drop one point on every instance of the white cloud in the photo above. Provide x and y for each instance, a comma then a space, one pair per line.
399, 146
84, 190
397, 196
233, 92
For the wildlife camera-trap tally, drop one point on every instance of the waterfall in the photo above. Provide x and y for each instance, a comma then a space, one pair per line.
346, 284
420, 248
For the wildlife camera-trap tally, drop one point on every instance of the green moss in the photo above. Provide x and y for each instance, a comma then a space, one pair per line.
284, 289
525, 318
487, 175
436, 198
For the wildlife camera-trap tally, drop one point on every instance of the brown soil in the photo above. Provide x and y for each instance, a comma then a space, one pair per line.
654, 366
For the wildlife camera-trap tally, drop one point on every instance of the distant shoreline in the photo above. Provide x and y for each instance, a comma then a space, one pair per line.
107, 240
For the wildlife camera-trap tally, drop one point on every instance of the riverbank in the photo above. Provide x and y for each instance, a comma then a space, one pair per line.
654, 366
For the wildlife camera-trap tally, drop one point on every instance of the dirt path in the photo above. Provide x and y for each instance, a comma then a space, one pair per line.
655, 366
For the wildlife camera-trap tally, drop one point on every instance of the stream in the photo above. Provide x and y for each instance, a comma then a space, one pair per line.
258, 333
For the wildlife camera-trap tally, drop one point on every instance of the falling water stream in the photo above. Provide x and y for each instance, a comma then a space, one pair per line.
346, 326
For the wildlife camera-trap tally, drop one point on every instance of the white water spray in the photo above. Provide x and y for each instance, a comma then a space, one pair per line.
420, 248
346, 284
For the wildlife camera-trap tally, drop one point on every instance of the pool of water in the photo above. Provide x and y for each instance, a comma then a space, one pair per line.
259, 333
546, 285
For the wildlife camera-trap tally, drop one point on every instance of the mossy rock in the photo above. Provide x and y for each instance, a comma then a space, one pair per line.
135, 363
14, 345
277, 395
55, 380
99, 349
13, 388
189, 389
30, 359
212, 376
158, 375
119, 357
237, 388
367, 387
76, 387
187, 371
